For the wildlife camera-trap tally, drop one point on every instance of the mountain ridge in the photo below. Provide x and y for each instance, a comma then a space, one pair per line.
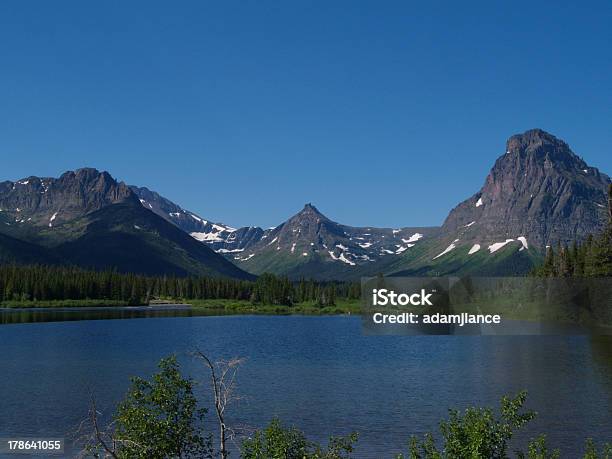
86, 217
538, 192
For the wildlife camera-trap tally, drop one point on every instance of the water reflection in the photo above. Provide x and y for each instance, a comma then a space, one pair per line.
33, 315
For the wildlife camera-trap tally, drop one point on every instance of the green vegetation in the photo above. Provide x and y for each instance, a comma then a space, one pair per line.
160, 418
87, 303
279, 442
157, 419
477, 432
341, 306
51, 286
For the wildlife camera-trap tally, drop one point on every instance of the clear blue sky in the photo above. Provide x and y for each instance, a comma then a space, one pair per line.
380, 113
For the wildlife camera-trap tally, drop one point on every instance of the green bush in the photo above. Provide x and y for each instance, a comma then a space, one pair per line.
160, 418
279, 442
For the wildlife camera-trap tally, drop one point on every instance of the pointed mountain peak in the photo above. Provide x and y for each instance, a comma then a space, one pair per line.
309, 211
538, 189
308, 207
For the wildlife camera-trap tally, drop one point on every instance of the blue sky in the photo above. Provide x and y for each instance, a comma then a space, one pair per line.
379, 113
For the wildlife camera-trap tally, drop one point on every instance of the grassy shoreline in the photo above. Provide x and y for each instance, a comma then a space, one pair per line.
29, 304
230, 306
307, 308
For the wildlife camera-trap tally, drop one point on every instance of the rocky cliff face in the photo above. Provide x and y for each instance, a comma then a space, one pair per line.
36, 201
538, 190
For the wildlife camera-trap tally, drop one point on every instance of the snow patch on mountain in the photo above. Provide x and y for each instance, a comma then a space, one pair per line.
498, 245
448, 249
52, 219
345, 260
206, 237
475, 248
403, 248
415, 237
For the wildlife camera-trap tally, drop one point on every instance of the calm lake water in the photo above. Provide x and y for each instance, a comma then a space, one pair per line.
318, 373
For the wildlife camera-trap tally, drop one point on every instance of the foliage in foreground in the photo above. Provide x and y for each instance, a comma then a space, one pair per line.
159, 419
279, 442
480, 433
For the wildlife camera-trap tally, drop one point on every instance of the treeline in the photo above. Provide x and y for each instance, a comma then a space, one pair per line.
270, 289
592, 258
50, 283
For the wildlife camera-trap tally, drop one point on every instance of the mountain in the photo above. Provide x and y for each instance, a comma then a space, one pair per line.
133, 239
34, 202
16, 251
86, 217
538, 193
538, 189
275, 249
311, 245
221, 238
307, 245
186, 220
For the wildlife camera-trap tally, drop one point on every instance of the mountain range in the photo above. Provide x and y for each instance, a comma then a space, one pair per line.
538, 193
87, 218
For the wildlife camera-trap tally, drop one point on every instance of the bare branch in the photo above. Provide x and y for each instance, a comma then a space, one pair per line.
223, 380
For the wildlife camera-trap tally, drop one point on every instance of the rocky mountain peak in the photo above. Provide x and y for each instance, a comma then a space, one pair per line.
538, 146
47, 201
309, 209
533, 139
309, 215
539, 189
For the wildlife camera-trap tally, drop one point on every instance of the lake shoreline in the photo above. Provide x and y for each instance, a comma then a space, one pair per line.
233, 307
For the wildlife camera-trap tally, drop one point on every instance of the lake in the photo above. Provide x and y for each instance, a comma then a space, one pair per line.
318, 373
